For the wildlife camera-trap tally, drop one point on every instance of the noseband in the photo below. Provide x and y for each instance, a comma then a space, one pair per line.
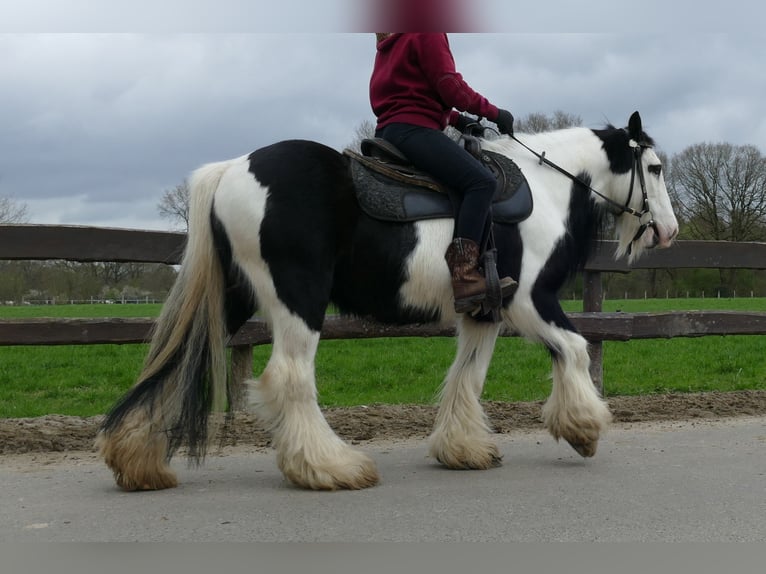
645, 216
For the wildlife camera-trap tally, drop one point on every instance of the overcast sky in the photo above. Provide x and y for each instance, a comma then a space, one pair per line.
95, 125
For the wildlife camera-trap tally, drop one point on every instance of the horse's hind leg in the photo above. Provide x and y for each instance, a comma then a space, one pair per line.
137, 452
461, 436
309, 453
575, 411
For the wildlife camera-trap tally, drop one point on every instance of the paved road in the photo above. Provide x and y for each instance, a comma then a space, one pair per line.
691, 481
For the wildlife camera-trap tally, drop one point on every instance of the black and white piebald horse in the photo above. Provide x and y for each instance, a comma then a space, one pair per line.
281, 230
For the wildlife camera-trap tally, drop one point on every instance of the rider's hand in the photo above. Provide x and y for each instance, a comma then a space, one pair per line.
504, 122
463, 122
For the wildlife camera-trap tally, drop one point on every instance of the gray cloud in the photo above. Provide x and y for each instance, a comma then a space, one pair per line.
248, 16
171, 16
96, 126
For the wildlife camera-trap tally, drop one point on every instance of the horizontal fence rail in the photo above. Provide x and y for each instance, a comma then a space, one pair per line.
595, 326
91, 244
86, 244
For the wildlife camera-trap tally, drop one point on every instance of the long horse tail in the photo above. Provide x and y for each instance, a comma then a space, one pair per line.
184, 376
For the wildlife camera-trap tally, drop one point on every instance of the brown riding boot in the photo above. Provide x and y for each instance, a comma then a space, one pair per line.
468, 285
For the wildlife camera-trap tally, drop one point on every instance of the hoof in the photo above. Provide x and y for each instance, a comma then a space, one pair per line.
494, 461
137, 464
159, 480
469, 459
584, 449
359, 473
581, 428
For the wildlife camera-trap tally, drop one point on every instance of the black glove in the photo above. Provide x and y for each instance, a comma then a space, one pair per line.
504, 122
463, 122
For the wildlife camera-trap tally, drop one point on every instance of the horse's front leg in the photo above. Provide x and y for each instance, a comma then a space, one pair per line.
575, 410
309, 453
461, 438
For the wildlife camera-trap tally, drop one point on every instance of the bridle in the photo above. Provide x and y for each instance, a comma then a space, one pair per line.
645, 216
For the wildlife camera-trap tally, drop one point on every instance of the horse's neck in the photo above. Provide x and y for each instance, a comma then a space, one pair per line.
575, 150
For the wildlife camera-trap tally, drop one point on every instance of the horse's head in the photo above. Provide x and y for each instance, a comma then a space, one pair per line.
647, 219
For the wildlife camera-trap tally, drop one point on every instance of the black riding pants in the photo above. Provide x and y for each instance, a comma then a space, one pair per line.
434, 152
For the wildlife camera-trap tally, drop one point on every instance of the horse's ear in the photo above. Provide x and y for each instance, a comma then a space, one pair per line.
634, 126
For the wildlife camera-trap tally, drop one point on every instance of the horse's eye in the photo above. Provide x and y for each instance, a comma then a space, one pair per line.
656, 169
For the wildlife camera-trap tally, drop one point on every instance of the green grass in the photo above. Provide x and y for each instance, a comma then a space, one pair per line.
86, 380
730, 363
71, 380
95, 311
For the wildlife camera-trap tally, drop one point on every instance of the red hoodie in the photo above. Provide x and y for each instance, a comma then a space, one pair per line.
414, 81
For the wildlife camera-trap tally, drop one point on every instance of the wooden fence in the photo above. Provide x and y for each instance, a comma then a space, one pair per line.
43, 242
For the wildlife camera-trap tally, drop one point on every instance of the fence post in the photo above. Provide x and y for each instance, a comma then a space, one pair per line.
592, 297
241, 370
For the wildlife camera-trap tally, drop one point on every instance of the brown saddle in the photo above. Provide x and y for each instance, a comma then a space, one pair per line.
390, 188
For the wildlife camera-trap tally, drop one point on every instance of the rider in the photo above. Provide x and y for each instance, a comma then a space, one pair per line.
413, 90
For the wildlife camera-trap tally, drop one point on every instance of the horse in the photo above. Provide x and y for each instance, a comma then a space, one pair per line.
280, 231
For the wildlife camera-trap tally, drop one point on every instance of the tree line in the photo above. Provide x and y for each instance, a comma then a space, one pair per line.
718, 192
69, 281
51, 282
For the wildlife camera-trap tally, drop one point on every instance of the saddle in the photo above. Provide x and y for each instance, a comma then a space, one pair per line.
390, 188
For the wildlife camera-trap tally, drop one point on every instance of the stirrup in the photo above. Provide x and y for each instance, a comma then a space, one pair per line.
470, 305
497, 290
494, 297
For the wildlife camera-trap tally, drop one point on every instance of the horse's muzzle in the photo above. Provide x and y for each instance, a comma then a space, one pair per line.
661, 236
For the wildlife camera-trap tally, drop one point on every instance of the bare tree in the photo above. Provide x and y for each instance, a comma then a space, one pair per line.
11, 211
537, 122
365, 130
174, 205
113, 273
720, 193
